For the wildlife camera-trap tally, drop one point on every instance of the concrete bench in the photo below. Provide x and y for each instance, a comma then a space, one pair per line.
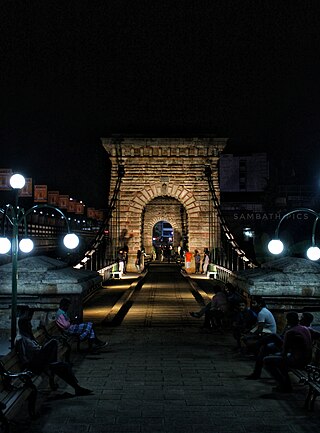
214, 273
113, 274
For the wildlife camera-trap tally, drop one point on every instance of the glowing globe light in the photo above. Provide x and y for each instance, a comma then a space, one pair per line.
17, 181
5, 245
313, 253
275, 246
71, 241
26, 245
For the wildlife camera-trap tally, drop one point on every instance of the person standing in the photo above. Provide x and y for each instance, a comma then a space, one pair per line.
125, 258
188, 258
197, 260
121, 261
205, 261
138, 261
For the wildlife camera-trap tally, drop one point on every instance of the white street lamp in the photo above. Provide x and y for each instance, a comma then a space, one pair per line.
16, 216
17, 181
71, 241
275, 246
26, 245
5, 245
313, 253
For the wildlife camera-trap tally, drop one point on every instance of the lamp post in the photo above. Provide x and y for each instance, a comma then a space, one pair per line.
16, 216
275, 246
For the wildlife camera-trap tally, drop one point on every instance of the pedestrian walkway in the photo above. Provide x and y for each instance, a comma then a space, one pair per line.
162, 373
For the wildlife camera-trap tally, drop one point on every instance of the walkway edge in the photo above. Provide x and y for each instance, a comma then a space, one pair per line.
111, 318
200, 295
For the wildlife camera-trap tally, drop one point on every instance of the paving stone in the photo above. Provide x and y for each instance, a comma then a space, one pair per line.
171, 378
102, 428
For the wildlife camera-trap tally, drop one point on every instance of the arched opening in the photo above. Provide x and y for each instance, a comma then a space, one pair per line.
164, 226
163, 240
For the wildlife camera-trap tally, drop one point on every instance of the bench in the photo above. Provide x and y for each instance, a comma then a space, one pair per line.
53, 330
212, 270
313, 382
114, 273
310, 376
15, 389
16, 386
214, 273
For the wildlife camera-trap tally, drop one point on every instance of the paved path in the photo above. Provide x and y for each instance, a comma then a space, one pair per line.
163, 374
164, 300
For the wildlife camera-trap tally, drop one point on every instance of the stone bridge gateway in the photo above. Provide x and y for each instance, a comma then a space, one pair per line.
164, 181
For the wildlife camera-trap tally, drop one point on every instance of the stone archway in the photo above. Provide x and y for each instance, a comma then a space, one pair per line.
163, 208
160, 168
136, 217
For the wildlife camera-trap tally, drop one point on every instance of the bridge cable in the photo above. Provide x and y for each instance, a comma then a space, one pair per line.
230, 238
99, 237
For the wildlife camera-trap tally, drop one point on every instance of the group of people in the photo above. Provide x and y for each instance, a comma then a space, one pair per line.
278, 353
223, 305
44, 358
205, 261
255, 331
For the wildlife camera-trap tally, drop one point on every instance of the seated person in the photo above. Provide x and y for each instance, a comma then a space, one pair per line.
268, 345
214, 310
39, 359
233, 298
296, 352
266, 324
306, 319
272, 344
83, 330
243, 321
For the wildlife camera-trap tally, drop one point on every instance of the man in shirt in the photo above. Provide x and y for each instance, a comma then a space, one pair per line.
266, 324
197, 260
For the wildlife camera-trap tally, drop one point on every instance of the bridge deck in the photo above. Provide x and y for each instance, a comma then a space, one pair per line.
161, 373
165, 299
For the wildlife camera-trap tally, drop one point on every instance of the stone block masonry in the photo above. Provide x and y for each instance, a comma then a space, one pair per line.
171, 170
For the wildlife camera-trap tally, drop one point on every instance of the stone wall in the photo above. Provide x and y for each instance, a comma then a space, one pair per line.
42, 282
287, 283
165, 167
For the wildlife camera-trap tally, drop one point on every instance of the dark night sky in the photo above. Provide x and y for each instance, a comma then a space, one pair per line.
75, 71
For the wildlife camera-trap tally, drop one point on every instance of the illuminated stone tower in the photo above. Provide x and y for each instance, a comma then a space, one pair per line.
164, 181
